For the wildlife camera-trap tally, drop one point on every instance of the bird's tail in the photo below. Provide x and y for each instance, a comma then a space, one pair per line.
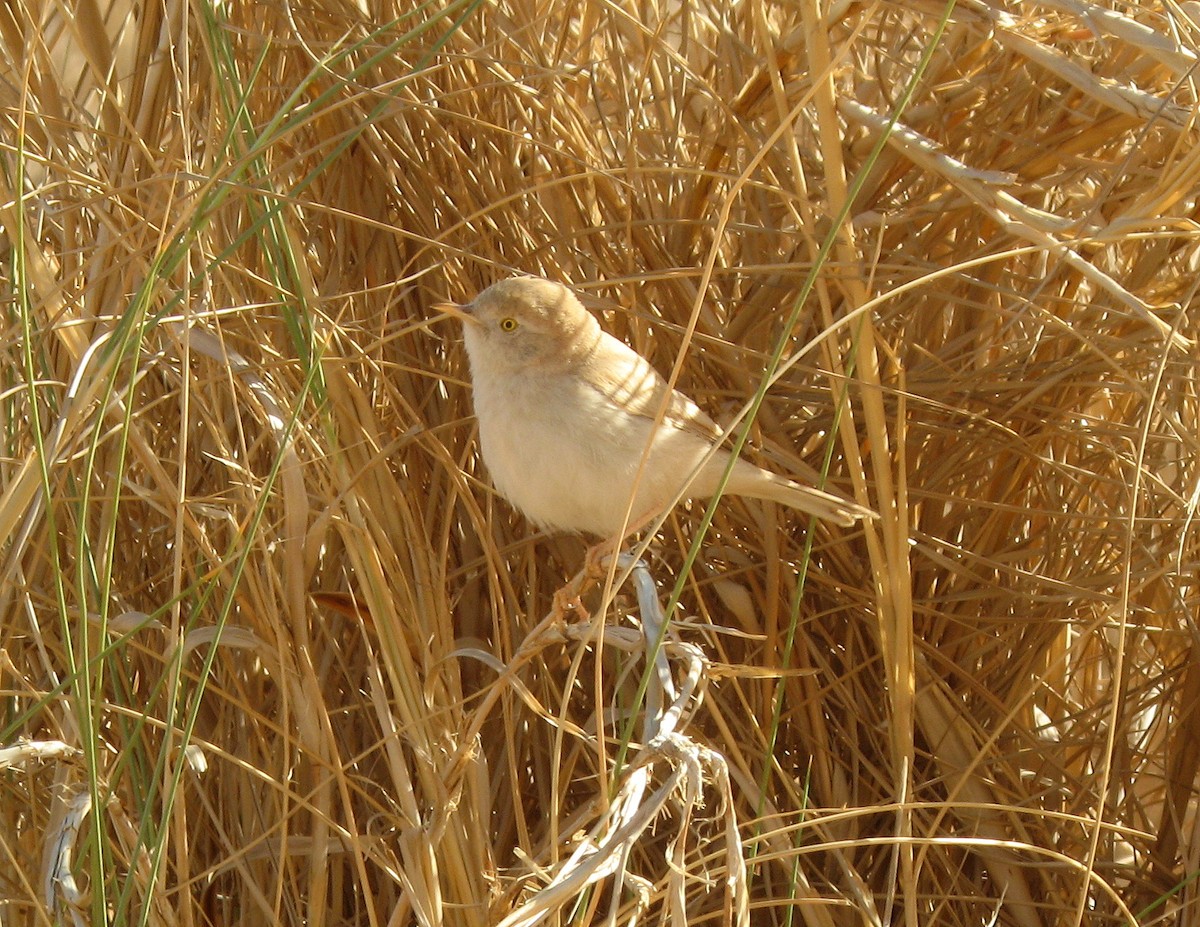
749, 480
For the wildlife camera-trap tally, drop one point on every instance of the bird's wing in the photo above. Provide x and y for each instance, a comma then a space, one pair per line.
627, 380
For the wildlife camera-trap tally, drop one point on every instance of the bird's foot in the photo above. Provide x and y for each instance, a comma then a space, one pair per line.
568, 599
597, 560
596, 563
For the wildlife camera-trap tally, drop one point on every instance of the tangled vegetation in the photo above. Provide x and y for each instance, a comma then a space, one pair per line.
273, 652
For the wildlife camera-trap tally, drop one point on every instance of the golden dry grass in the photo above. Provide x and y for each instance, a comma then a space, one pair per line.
272, 652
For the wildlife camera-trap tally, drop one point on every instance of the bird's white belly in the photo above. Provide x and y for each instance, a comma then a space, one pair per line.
559, 452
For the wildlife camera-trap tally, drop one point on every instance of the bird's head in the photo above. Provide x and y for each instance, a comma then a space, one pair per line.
524, 323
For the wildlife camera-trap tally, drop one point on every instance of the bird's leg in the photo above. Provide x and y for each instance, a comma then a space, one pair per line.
596, 560
595, 569
568, 598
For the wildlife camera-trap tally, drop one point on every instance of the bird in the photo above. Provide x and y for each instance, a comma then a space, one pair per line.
581, 434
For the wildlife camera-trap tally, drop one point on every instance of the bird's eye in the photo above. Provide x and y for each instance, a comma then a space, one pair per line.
508, 325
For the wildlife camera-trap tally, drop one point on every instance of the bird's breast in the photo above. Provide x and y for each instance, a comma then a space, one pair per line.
558, 450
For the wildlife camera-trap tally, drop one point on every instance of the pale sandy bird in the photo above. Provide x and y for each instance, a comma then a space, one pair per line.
566, 412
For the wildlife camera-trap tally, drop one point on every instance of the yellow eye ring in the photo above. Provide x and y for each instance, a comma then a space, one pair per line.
508, 325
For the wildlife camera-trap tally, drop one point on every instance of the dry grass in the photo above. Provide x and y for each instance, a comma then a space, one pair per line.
272, 652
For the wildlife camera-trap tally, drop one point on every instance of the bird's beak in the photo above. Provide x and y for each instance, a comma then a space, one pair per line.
462, 313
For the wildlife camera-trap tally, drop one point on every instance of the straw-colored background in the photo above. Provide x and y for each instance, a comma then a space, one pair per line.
224, 418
